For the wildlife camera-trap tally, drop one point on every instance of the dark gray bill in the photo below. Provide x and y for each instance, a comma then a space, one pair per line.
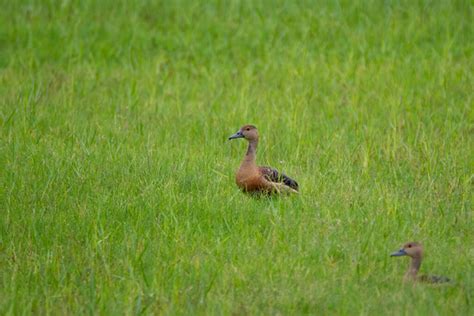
399, 253
237, 135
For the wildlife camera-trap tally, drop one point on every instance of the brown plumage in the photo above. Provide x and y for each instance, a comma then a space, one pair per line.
254, 179
414, 250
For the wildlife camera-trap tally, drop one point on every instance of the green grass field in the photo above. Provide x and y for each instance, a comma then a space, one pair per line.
117, 181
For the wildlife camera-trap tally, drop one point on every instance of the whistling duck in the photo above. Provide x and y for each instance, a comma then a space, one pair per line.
415, 251
254, 179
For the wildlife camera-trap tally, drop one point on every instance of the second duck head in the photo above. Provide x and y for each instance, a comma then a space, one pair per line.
249, 132
412, 249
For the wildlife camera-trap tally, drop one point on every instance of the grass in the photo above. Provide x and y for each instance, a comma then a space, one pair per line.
117, 183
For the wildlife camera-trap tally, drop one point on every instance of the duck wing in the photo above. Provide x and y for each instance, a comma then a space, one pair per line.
271, 174
434, 279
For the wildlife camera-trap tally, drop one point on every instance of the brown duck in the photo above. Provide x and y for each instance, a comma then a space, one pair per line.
414, 250
254, 179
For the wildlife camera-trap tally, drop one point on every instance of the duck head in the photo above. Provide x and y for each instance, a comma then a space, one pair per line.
412, 249
249, 132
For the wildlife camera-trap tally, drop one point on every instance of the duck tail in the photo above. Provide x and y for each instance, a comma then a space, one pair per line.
290, 182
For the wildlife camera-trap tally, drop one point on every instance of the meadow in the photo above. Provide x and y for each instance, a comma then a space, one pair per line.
117, 192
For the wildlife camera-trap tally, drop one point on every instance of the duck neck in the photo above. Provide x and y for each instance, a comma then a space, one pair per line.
414, 267
251, 151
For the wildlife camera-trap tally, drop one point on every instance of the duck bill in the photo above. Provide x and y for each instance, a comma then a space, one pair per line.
237, 135
399, 253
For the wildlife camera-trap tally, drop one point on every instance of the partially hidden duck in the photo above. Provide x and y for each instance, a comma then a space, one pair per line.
257, 179
414, 250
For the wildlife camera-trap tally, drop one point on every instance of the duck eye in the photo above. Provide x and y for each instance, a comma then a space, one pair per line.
409, 246
248, 129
